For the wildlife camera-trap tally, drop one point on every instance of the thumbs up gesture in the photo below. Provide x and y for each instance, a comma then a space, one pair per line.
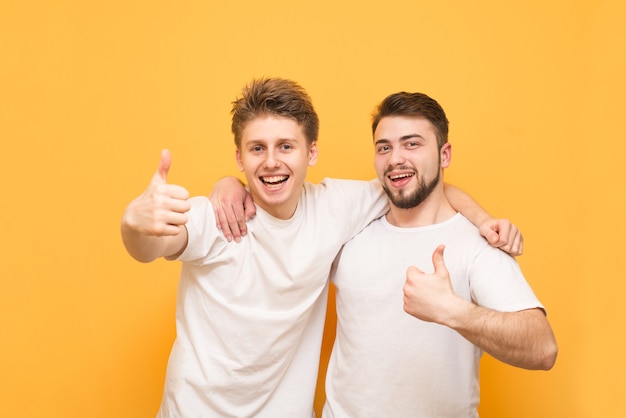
161, 209
430, 297
153, 225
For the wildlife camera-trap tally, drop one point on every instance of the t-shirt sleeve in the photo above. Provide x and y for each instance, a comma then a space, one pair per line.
202, 232
357, 202
497, 282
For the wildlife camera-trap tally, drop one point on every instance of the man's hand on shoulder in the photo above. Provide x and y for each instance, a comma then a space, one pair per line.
502, 234
233, 207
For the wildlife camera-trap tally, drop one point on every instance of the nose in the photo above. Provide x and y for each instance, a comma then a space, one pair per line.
396, 157
271, 161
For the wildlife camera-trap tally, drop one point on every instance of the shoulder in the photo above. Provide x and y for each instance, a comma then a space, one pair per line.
471, 232
329, 184
347, 190
200, 204
200, 214
204, 238
460, 225
463, 240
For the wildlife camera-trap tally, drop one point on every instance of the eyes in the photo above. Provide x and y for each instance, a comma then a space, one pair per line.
381, 149
257, 149
384, 148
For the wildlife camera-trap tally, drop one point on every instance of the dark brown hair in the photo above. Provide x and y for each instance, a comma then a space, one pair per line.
413, 105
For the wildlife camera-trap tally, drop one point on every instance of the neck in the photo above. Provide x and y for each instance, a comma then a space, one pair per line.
283, 211
280, 213
434, 209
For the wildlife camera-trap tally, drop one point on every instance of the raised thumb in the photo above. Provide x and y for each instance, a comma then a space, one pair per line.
160, 177
438, 262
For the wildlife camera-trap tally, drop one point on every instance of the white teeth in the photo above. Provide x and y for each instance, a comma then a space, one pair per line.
399, 176
274, 179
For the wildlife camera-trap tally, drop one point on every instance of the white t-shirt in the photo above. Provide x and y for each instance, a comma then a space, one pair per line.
250, 315
387, 363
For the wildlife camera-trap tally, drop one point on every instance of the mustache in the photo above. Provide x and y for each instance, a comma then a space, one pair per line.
400, 168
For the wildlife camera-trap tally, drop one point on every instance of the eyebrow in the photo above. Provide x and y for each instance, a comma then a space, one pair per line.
263, 141
402, 138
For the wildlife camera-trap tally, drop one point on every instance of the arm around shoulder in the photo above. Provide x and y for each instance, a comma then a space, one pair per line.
233, 207
500, 233
464, 203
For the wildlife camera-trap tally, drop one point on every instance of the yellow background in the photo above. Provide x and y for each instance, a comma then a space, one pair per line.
90, 91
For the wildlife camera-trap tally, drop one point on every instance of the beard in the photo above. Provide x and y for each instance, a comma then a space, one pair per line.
412, 198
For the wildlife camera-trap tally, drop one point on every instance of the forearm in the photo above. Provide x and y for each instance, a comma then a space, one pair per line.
146, 247
464, 203
522, 339
141, 247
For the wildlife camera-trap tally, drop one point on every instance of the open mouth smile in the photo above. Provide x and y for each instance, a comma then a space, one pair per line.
273, 180
400, 177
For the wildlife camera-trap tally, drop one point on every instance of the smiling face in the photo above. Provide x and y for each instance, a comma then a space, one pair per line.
274, 156
408, 161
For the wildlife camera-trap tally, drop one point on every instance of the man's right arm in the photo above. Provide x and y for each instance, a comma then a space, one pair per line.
522, 339
153, 224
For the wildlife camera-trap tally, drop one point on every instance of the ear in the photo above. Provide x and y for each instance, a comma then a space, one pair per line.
238, 158
313, 154
446, 155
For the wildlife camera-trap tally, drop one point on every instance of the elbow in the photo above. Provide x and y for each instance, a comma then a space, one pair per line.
141, 256
548, 357
144, 260
546, 346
